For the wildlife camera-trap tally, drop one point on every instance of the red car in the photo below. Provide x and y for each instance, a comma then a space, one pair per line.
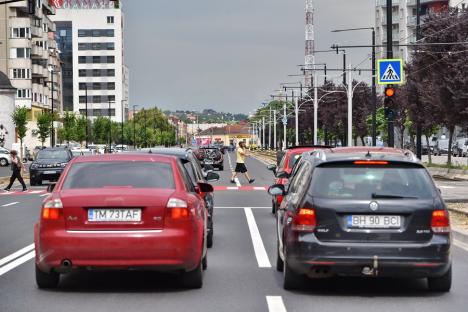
123, 211
283, 170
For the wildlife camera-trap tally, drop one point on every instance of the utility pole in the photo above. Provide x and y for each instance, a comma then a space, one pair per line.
285, 123
269, 130
350, 108
263, 133
52, 136
315, 108
122, 126
296, 112
391, 142
134, 126
374, 92
86, 113
110, 126
274, 128
418, 103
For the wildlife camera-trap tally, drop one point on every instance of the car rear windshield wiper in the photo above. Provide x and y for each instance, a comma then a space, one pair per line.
374, 195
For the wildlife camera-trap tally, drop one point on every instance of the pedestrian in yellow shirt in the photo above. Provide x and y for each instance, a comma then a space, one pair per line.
240, 164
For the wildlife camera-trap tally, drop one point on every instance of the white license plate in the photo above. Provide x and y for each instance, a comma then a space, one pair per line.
374, 222
50, 172
114, 215
208, 162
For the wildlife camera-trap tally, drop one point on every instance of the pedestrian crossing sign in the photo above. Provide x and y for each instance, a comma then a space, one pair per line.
390, 71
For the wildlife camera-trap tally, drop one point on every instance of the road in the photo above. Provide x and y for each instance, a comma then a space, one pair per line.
240, 276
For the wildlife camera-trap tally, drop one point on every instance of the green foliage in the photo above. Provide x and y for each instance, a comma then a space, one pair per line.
69, 121
381, 124
20, 119
80, 129
44, 125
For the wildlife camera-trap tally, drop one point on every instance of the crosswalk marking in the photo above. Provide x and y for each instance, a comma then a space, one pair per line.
275, 304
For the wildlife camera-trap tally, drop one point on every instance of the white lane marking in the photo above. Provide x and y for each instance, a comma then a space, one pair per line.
221, 207
10, 266
275, 304
10, 204
461, 245
259, 188
259, 248
236, 179
44, 195
230, 162
232, 188
446, 187
16, 254
35, 192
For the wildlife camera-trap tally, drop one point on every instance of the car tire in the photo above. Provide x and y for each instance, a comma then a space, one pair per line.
279, 261
442, 283
291, 280
3, 162
47, 280
209, 239
193, 279
205, 261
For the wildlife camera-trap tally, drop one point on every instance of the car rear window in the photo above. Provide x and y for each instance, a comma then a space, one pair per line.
356, 182
132, 174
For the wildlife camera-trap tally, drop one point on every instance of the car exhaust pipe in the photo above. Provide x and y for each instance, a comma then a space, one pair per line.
372, 271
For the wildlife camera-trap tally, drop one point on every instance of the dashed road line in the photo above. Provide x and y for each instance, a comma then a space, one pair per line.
44, 195
275, 304
10, 204
259, 248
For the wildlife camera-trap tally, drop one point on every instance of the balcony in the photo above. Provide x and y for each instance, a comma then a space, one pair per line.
36, 32
39, 71
383, 3
36, 50
395, 19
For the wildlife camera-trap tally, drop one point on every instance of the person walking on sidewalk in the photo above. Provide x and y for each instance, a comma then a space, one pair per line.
240, 164
16, 167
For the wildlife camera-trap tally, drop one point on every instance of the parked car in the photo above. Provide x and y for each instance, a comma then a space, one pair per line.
210, 156
5, 158
197, 175
139, 212
49, 165
459, 147
83, 152
441, 147
369, 212
282, 172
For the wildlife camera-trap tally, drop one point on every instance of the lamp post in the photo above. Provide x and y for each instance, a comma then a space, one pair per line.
110, 125
86, 113
374, 93
52, 73
134, 126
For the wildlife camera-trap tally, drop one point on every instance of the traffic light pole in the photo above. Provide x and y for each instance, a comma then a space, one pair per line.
374, 93
418, 103
391, 141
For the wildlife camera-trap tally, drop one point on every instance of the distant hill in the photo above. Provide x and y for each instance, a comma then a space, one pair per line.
207, 116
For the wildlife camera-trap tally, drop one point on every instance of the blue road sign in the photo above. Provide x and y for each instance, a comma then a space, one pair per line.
390, 71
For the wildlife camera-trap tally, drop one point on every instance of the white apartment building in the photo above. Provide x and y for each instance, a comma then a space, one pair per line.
28, 56
404, 22
90, 37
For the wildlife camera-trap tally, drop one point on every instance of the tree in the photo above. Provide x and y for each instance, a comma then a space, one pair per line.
44, 125
68, 131
20, 119
80, 129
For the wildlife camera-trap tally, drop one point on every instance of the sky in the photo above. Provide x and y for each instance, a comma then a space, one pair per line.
230, 55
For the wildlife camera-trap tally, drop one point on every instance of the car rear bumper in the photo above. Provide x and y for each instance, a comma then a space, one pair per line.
430, 259
163, 250
43, 174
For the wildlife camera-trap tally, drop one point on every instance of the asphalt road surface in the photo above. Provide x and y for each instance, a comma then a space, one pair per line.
240, 276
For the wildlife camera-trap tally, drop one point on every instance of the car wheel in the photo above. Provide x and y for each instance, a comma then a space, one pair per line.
292, 280
47, 280
279, 261
3, 162
442, 284
209, 239
193, 279
205, 261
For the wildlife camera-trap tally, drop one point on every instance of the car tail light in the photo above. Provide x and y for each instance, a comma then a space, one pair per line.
440, 222
52, 210
177, 209
371, 162
305, 220
279, 199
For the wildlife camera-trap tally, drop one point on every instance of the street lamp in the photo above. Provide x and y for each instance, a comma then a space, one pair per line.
374, 93
110, 125
134, 126
52, 73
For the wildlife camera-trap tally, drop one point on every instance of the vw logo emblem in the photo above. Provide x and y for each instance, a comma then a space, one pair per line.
374, 206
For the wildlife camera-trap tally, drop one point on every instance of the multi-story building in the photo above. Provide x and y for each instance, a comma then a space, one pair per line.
89, 34
404, 22
29, 56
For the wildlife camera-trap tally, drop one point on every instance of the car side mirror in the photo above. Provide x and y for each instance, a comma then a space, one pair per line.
205, 188
272, 168
277, 190
208, 168
51, 187
212, 176
282, 175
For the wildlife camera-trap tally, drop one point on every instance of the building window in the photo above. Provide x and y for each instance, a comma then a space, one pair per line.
21, 73
111, 73
20, 53
96, 46
96, 33
111, 86
111, 59
23, 93
110, 20
23, 32
82, 59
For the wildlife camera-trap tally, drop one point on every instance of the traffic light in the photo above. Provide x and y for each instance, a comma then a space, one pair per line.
389, 92
32, 7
